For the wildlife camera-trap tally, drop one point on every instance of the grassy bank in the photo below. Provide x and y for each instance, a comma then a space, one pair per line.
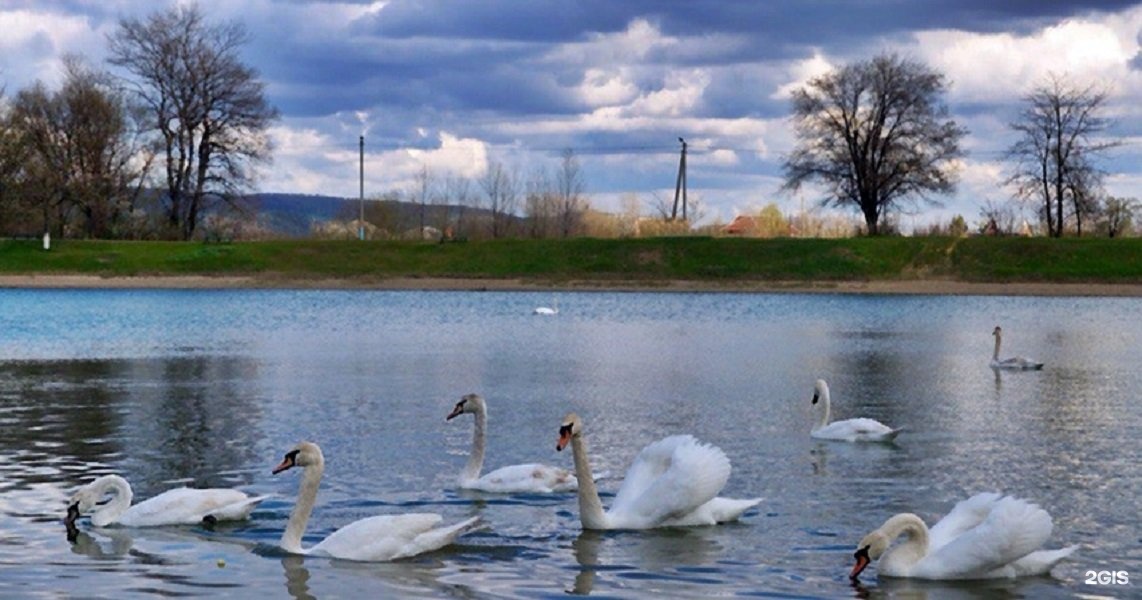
685, 258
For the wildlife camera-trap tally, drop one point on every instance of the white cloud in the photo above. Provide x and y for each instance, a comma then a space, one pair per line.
601, 87
997, 67
308, 161
800, 72
628, 47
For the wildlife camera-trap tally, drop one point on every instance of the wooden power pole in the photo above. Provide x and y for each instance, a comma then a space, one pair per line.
680, 185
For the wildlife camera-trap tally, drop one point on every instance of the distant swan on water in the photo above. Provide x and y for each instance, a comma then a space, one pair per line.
1015, 363
547, 310
849, 430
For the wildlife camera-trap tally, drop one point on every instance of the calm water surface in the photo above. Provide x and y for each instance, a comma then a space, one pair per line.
210, 388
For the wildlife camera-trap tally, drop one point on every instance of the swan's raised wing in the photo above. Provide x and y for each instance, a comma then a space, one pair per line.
1012, 529
966, 515
669, 479
181, 506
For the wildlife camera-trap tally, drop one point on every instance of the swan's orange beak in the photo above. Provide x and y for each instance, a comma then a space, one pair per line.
287, 463
564, 438
862, 562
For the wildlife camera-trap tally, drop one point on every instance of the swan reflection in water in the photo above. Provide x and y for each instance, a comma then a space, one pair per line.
660, 551
400, 579
914, 589
297, 577
141, 545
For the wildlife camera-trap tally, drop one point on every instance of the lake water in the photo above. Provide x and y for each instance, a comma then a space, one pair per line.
212, 387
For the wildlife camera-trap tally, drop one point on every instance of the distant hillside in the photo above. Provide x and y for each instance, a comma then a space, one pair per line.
293, 215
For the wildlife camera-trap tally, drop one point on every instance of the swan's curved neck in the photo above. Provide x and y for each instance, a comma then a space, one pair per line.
826, 408
306, 498
915, 545
995, 355
476, 457
591, 513
121, 496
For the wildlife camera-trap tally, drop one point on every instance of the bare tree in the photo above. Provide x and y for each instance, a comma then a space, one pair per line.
423, 193
660, 206
1059, 140
540, 204
999, 218
458, 193
1118, 215
15, 214
209, 109
501, 190
85, 164
570, 186
877, 135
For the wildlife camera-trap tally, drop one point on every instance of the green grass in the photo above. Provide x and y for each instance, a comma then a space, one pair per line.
649, 260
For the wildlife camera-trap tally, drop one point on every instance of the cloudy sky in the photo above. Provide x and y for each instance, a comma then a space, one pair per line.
455, 84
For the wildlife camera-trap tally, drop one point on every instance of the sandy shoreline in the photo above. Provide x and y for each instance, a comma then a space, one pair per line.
925, 286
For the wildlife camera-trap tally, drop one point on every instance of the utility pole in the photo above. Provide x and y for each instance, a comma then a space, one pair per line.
680, 185
361, 202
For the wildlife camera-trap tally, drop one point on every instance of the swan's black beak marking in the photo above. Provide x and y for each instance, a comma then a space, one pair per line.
816, 397
564, 437
862, 561
69, 522
72, 515
288, 462
456, 411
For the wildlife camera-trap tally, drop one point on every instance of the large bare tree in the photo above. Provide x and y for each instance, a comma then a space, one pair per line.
1060, 137
877, 134
209, 108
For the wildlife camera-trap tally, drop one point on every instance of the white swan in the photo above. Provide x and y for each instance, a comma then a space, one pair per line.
849, 430
532, 477
380, 538
180, 506
1015, 363
987, 536
547, 310
671, 483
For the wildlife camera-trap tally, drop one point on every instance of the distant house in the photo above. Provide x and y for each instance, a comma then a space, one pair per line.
742, 225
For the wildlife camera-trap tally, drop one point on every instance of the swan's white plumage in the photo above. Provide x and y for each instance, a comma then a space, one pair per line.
389, 537
987, 536
180, 506
525, 478
849, 430
1014, 363
374, 539
673, 482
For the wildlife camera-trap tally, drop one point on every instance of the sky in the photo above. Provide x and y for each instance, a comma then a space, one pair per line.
451, 85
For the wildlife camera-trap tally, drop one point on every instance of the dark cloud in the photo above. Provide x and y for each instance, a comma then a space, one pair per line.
489, 55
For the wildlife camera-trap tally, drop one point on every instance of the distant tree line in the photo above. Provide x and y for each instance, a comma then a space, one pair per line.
549, 201
142, 151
